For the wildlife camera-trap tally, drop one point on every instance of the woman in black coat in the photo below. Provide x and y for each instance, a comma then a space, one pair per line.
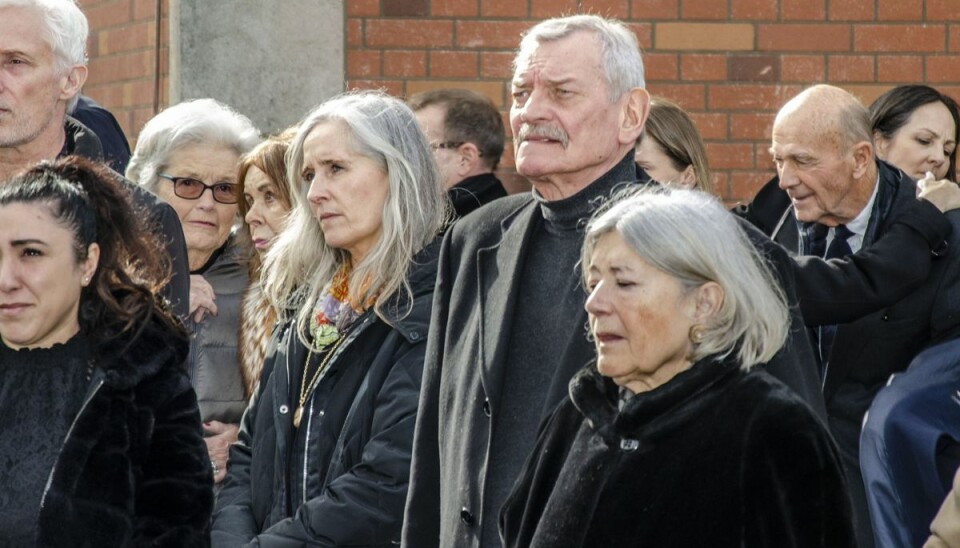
323, 455
674, 436
102, 438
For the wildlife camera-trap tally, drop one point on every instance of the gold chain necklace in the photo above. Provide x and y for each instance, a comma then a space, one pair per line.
305, 387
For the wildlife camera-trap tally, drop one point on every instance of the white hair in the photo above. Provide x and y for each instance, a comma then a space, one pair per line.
689, 235
197, 122
385, 130
619, 50
65, 29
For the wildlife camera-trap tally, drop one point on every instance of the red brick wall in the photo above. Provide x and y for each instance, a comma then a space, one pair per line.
122, 58
731, 63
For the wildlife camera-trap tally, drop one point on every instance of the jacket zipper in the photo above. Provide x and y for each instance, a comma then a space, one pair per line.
306, 444
93, 392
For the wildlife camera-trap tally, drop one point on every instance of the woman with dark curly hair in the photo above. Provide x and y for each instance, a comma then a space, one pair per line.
102, 439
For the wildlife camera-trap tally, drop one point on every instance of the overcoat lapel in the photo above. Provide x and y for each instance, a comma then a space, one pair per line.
498, 276
849, 341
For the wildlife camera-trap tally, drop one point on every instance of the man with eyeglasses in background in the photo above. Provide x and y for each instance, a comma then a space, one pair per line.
465, 131
43, 66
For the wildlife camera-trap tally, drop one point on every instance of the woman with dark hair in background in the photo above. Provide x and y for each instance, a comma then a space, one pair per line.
915, 128
102, 441
910, 441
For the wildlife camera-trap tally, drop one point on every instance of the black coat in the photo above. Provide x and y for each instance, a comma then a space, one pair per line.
714, 457
473, 192
894, 264
133, 469
866, 351
359, 434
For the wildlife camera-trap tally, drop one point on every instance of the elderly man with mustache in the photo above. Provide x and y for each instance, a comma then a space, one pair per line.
508, 328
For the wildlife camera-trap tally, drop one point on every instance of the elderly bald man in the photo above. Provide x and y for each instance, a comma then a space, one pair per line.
842, 198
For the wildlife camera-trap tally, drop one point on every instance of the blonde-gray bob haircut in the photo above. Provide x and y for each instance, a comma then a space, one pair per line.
619, 50
689, 235
383, 129
186, 124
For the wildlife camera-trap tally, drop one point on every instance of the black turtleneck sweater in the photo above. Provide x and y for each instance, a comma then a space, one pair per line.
548, 325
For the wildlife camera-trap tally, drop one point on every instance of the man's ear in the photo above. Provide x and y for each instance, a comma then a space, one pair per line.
862, 158
73, 82
469, 159
635, 111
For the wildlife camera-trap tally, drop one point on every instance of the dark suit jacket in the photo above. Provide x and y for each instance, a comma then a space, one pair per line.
866, 351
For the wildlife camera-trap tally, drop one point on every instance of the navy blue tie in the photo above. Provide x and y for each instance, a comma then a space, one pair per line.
839, 247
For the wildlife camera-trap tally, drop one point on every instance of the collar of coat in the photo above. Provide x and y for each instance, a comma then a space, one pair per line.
596, 397
135, 356
409, 313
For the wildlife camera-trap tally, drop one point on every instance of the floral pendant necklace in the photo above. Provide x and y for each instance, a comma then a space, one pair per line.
331, 320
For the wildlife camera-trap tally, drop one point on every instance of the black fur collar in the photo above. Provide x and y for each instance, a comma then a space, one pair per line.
127, 361
597, 397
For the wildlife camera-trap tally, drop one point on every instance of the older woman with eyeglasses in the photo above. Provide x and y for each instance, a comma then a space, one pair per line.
189, 155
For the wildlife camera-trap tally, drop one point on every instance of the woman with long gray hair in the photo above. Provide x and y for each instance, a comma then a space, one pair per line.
323, 455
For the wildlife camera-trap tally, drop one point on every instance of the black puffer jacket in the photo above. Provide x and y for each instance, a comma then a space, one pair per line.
347, 485
133, 469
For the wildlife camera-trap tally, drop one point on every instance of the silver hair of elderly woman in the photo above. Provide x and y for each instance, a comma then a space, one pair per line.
384, 129
197, 122
690, 235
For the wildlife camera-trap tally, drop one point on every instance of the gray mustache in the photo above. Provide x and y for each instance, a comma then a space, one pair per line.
544, 131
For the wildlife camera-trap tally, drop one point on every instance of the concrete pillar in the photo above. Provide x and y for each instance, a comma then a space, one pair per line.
270, 60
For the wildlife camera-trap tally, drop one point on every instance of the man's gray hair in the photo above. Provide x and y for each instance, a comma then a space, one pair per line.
383, 129
689, 235
197, 122
619, 50
65, 29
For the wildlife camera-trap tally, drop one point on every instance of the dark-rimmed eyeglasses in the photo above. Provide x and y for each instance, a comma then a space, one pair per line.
189, 188
449, 145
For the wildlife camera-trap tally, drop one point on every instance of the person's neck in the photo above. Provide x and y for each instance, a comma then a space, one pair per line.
45, 146
563, 185
856, 199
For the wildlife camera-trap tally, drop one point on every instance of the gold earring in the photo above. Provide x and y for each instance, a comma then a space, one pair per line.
696, 334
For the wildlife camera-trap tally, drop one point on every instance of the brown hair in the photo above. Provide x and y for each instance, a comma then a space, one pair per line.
673, 129
469, 117
270, 158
